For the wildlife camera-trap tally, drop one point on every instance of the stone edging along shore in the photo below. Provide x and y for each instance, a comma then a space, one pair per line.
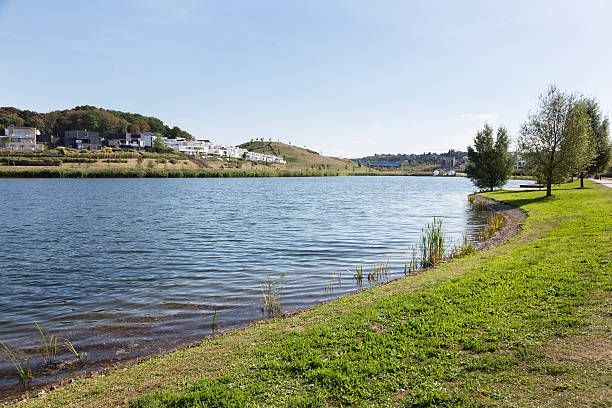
512, 225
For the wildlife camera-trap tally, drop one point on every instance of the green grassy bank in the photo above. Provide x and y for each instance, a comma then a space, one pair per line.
525, 324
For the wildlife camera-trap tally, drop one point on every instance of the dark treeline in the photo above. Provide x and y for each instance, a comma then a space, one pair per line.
424, 158
87, 117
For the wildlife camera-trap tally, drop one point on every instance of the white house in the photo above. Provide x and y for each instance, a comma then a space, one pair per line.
189, 147
19, 138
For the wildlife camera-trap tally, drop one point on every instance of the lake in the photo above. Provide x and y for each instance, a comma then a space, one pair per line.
130, 267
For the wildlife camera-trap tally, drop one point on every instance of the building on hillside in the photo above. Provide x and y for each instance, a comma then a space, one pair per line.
189, 147
119, 139
82, 140
19, 138
520, 164
262, 157
148, 138
135, 141
48, 139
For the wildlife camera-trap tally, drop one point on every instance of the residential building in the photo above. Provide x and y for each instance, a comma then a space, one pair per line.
48, 139
189, 147
135, 141
19, 138
119, 139
82, 140
268, 158
148, 138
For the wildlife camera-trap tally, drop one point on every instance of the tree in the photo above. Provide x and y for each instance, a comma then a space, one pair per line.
554, 140
489, 162
601, 138
159, 146
578, 141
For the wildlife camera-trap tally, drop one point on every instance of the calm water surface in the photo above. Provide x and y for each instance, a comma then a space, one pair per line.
127, 267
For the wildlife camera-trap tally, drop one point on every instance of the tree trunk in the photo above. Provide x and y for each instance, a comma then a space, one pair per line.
581, 180
548, 188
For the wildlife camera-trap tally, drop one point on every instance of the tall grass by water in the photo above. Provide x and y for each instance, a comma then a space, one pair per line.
20, 362
494, 223
271, 296
49, 347
432, 244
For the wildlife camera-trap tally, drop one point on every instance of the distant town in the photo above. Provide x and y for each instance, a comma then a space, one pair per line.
30, 139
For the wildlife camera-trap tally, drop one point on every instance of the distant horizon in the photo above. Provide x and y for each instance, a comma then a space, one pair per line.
342, 77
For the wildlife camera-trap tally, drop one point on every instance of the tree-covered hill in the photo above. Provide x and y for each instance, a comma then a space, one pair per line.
414, 159
87, 117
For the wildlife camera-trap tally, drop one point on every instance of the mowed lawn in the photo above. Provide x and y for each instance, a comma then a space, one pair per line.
525, 324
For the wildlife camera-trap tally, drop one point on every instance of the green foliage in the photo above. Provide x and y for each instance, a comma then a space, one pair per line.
26, 161
271, 295
600, 129
432, 245
80, 355
495, 222
21, 363
358, 276
159, 146
465, 248
378, 272
556, 140
91, 118
49, 348
490, 163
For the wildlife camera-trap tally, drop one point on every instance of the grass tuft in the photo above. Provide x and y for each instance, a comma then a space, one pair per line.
49, 348
271, 294
432, 244
495, 222
21, 364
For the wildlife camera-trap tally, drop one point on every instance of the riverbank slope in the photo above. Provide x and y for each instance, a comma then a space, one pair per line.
522, 324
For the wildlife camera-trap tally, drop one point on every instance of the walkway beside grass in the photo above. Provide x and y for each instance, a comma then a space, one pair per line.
604, 181
525, 324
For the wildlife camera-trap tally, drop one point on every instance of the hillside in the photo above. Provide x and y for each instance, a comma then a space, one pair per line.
415, 159
297, 156
87, 117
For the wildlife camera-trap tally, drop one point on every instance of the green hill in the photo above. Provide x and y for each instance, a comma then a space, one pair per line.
87, 117
298, 157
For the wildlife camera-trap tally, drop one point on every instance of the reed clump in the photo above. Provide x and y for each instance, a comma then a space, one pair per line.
465, 248
80, 355
378, 272
494, 223
49, 347
432, 244
271, 294
21, 364
358, 276
413, 264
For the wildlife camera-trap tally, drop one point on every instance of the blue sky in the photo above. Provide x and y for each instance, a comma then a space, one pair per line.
346, 78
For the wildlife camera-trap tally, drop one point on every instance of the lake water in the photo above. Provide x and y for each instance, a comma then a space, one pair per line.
128, 267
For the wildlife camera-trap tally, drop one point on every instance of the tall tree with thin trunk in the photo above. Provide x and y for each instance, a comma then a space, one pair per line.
601, 138
555, 139
578, 142
489, 161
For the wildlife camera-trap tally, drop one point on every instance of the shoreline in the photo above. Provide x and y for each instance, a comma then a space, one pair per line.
188, 173
513, 216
